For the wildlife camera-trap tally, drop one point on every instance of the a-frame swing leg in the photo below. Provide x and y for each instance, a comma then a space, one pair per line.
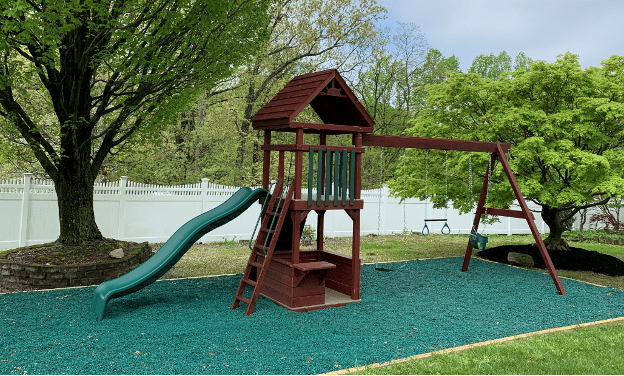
524, 213
529, 219
479, 212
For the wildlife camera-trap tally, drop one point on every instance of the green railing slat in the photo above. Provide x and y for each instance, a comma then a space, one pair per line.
343, 180
319, 177
352, 178
328, 176
310, 176
336, 176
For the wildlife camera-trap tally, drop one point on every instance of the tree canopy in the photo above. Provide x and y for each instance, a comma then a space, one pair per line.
565, 125
80, 78
213, 137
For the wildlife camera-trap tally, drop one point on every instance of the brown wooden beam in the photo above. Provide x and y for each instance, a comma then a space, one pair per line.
355, 254
330, 127
266, 163
306, 147
505, 212
536, 235
431, 143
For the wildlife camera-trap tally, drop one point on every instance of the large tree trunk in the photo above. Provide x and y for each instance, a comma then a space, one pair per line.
552, 218
75, 203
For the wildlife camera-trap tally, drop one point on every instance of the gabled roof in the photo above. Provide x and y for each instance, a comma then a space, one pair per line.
330, 97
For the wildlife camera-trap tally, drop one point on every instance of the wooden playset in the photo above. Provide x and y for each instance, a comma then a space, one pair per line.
307, 279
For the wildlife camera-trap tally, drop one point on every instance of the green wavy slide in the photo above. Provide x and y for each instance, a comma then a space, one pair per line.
177, 245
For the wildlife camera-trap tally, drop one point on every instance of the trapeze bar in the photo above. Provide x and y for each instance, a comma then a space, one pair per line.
431, 143
435, 220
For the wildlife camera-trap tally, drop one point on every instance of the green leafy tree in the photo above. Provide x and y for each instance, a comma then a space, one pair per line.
565, 125
103, 71
435, 70
491, 66
381, 88
214, 138
307, 35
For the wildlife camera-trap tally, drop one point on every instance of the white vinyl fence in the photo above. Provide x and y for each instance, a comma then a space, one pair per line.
140, 212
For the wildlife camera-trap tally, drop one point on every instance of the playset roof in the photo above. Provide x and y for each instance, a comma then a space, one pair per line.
329, 96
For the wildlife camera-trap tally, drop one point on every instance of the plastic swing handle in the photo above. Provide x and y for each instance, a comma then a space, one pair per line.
426, 228
447, 227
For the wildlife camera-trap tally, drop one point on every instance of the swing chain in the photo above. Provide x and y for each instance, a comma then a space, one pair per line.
446, 185
380, 192
425, 230
487, 191
404, 194
405, 232
470, 178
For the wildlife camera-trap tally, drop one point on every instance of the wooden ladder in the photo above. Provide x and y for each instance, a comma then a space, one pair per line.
278, 209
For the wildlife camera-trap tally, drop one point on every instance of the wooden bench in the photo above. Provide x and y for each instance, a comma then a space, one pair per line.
315, 265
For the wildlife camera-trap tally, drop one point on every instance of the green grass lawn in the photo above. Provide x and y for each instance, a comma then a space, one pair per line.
593, 350
590, 350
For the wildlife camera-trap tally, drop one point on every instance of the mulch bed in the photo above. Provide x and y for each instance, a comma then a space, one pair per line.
577, 259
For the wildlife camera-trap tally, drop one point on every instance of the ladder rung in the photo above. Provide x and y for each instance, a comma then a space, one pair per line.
262, 228
250, 282
244, 300
256, 264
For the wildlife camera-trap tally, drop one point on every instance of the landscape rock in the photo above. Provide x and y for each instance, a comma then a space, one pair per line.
521, 259
117, 253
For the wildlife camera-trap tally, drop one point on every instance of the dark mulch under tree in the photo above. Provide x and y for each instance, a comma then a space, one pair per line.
575, 259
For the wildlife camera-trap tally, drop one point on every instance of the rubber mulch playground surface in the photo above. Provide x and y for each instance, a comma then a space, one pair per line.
187, 327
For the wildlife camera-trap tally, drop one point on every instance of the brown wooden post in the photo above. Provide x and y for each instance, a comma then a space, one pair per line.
529, 219
266, 163
357, 142
479, 212
320, 222
355, 254
323, 142
295, 215
280, 166
298, 164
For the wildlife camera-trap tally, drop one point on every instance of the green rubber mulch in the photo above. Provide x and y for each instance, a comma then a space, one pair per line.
186, 326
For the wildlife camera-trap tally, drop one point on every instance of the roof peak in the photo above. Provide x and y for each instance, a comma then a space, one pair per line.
327, 93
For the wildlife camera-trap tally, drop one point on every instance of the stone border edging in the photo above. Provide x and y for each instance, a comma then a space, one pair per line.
595, 239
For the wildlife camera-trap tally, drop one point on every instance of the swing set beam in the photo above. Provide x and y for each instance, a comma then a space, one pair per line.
497, 150
369, 139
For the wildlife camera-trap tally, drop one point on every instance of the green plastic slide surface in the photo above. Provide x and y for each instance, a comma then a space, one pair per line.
177, 245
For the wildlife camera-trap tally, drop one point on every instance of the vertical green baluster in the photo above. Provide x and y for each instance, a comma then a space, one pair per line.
343, 179
328, 176
319, 177
310, 176
352, 177
336, 176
